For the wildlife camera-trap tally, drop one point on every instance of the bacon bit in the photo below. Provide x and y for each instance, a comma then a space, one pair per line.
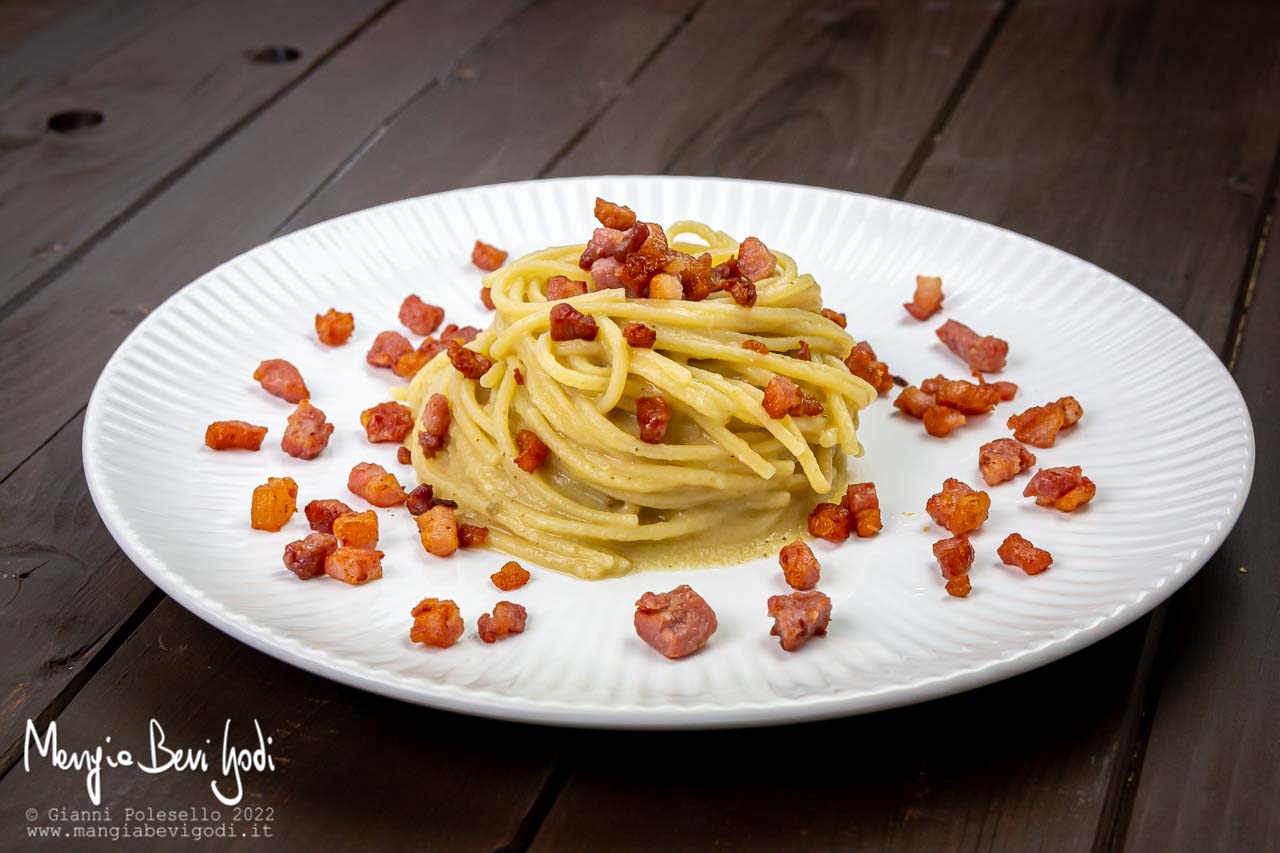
472, 535
631, 240
675, 623
781, 395
755, 261
372, 482
1016, 551
831, 522
444, 502
959, 586
570, 324
486, 299
387, 349
652, 414
940, 420
800, 568
928, 297
934, 385
274, 503
305, 557
282, 379
357, 529
1071, 410
1064, 489
1006, 390
697, 278
403, 456
603, 243
982, 353
799, 616
954, 555
307, 432
743, 291
721, 273
756, 346
419, 317
486, 257
835, 317
563, 287
421, 499
639, 335
804, 354
438, 530
532, 451
606, 273
508, 618
387, 422
334, 328
321, 514
468, 362
958, 507
511, 576
234, 435
1002, 459
899, 381
650, 257
463, 335
968, 398
436, 623
408, 365
666, 286
914, 401
615, 216
862, 363
808, 406
354, 565
862, 501
435, 425
1039, 425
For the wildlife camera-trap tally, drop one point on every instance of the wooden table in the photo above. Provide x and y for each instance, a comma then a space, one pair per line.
142, 142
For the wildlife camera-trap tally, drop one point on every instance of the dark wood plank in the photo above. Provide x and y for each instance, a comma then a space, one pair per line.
1130, 134
64, 584
73, 605
353, 771
509, 108
1210, 775
831, 94
257, 177
41, 38
947, 775
165, 94
1127, 134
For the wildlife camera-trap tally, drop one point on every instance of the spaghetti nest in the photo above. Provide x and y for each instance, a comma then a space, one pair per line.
727, 479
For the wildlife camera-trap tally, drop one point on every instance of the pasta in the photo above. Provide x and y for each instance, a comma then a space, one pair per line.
725, 481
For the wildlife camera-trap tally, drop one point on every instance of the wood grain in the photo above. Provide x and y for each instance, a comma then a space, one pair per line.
68, 609
40, 39
165, 95
256, 179
1211, 768
1084, 126
508, 108
64, 587
831, 94
353, 771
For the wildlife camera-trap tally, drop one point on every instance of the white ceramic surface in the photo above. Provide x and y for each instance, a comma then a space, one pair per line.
1165, 436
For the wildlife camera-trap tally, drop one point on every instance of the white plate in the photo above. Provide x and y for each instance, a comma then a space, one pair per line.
1165, 436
